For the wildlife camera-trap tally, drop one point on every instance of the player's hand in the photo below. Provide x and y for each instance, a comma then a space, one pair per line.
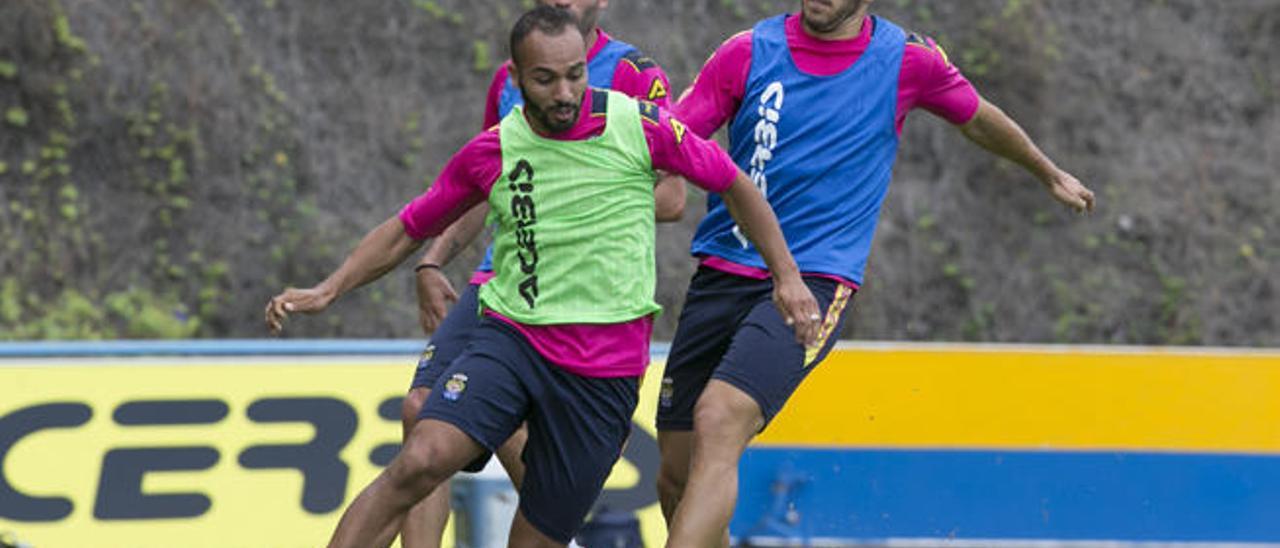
435, 297
798, 308
307, 301
1068, 190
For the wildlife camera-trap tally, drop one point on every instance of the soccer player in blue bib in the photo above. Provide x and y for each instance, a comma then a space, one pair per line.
814, 104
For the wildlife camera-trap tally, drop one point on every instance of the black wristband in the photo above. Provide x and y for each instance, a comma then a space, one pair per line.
425, 265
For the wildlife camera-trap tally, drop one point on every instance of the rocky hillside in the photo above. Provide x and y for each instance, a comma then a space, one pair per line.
166, 165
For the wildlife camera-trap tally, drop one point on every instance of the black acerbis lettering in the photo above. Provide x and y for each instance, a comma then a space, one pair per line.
389, 410
324, 474
15, 505
525, 214
120, 494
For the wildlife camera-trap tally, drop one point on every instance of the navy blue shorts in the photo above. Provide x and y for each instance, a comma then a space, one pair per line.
449, 340
730, 330
577, 425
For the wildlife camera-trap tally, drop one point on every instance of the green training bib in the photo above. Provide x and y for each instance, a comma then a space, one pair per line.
575, 236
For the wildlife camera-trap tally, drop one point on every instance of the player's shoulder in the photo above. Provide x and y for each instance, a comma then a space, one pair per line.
601, 98
649, 111
484, 142
649, 80
918, 39
654, 115
638, 60
733, 49
503, 69
741, 39
924, 45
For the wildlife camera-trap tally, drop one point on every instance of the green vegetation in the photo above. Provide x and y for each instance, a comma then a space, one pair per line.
16, 117
161, 179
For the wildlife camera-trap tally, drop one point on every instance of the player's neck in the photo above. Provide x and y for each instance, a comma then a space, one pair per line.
847, 30
592, 38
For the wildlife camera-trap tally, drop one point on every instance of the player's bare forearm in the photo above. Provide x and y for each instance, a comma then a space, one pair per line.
454, 239
378, 252
381, 250
669, 196
793, 298
752, 213
999, 134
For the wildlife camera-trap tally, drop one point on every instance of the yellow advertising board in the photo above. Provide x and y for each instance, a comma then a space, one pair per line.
1038, 397
146, 452
228, 452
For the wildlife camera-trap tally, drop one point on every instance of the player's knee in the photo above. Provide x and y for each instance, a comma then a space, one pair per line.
717, 415
418, 467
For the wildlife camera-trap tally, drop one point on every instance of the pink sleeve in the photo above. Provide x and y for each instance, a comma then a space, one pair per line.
464, 182
491, 99
676, 149
717, 91
929, 81
644, 80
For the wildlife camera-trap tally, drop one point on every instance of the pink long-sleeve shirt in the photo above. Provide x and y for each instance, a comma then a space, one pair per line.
592, 350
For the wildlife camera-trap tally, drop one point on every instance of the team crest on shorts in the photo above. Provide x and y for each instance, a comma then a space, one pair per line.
454, 386
427, 353
667, 392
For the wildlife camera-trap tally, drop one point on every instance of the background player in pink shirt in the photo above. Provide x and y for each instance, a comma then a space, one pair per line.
612, 64
814, 103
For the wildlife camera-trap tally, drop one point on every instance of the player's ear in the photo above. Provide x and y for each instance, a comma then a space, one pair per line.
514, 69
603, 4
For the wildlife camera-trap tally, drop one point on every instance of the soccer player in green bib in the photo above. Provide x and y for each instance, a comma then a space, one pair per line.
565, 324
611, 64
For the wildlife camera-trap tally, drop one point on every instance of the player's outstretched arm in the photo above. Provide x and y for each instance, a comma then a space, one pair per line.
790, 294
435, 293
381, 250
995, 131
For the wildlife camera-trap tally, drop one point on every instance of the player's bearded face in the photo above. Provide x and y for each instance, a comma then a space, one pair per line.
828, 15
553, 79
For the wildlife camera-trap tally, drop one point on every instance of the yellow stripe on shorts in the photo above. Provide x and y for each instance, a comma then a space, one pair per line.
829, 323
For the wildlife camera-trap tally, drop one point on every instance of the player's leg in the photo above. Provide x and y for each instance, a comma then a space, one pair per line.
434, 451
510, 455
577, 427
725, 420
675, 450
762, 368
525, 535
424, 526
477, 404
715, 304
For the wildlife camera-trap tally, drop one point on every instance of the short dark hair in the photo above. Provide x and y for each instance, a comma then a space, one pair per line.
548, 20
